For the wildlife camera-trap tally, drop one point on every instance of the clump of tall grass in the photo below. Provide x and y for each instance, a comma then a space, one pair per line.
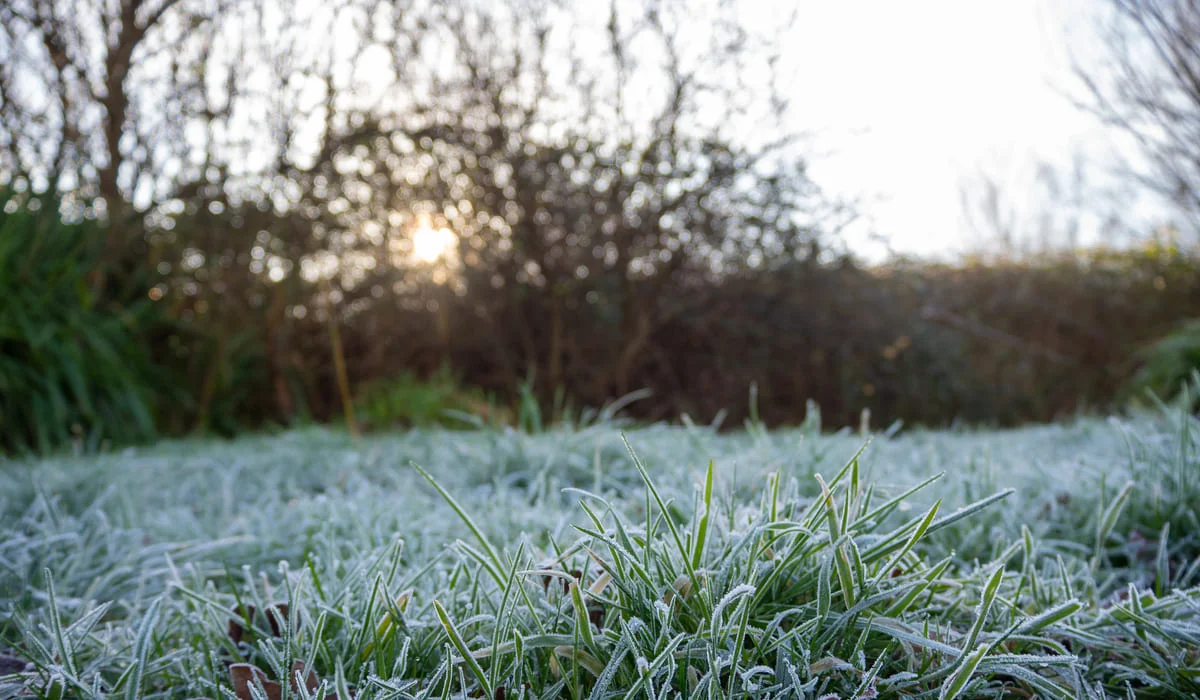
407, 400
73, 367
1168, 365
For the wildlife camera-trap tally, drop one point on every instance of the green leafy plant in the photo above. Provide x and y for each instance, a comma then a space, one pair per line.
407, 400
73, 364
1168, 364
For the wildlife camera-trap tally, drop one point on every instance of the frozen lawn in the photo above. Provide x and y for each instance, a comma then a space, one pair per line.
154, 571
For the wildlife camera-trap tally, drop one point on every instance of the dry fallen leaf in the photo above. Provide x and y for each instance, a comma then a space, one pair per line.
245, 675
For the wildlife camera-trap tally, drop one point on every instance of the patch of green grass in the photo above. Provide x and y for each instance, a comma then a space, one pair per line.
440, 400
1059, 561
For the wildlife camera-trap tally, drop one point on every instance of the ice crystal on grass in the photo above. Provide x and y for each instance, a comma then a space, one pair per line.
576, 564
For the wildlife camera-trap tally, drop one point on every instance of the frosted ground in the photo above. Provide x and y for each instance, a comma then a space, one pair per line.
543, 566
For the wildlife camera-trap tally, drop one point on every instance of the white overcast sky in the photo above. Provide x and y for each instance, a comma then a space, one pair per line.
906, 99
915, 95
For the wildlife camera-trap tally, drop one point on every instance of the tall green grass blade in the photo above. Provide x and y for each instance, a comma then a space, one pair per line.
141, 650
702, 527
464, 653
492, 561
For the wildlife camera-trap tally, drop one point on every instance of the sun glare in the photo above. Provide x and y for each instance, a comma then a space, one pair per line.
430, 244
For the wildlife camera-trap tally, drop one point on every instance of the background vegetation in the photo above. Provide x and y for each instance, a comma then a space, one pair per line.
999, 343
198, 244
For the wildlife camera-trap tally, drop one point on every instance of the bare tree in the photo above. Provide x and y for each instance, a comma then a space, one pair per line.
593, 160
92, 95
1044, 208
1148, 85
590, 159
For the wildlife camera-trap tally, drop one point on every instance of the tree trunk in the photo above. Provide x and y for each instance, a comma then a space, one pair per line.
275, 320
339, 364
556, 341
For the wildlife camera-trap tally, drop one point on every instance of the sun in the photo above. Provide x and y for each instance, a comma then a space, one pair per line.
429, 243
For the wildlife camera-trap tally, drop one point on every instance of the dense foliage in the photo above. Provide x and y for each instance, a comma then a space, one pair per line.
213, 346
75, 363
1169, 363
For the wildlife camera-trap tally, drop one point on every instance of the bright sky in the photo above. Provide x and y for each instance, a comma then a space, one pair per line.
906, 99
914, 96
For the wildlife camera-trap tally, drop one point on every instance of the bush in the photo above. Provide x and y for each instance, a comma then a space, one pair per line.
407, 400
1169, 363
74, 366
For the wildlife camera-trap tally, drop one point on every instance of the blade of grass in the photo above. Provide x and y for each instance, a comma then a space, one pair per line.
465, 653
492, 563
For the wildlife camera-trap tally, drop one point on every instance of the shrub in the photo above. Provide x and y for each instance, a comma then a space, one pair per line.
74, 366
408, 400
1168, 363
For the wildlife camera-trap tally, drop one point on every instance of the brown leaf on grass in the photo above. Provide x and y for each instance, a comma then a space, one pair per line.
595, 612
277, 615
245, 675
310, 681
236, 623
566, 582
